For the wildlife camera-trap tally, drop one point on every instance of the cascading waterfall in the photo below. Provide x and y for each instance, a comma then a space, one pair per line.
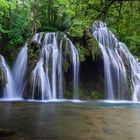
51, 57
135, 71
46, 79
75, 61
19, 70
114, 69
9, 91
116, 86
47, 76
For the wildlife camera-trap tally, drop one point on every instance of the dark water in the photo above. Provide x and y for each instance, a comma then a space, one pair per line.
70, 121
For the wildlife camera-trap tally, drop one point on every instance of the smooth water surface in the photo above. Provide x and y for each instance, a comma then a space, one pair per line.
70, 121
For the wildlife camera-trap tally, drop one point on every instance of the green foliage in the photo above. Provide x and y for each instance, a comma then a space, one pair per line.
82, 51
87, 94
14, 22
19, 19
124, 22
19, 27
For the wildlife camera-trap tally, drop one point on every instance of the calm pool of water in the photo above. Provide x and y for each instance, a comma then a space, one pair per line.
70, 121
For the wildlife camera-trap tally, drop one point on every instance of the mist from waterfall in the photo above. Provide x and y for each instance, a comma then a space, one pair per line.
115, 56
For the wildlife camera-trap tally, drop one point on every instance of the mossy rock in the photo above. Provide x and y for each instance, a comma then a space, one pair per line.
96, 95
91, 43
6, 132
3, 81
69, 95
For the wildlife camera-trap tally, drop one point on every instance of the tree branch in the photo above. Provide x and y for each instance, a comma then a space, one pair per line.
104, 10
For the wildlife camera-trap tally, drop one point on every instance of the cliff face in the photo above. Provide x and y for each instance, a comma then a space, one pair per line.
91, 79
91, 83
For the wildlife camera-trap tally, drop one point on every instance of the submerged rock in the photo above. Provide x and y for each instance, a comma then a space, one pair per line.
4, 132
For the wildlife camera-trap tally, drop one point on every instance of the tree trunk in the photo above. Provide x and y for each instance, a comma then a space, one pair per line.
5, 39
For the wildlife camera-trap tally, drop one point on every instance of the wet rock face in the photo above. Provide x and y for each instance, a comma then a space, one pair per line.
91, 83
91, 44
1, 83
3, 80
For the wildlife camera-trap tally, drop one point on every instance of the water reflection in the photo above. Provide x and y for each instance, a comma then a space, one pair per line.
70, 121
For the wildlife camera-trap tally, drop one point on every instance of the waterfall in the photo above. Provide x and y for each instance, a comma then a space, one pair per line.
47, 76
116, 77
135, 71
114, 69
9, 91
19, 70
75, 62
46, 79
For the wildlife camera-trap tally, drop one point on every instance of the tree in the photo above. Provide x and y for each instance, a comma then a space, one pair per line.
19, 19
15, 23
